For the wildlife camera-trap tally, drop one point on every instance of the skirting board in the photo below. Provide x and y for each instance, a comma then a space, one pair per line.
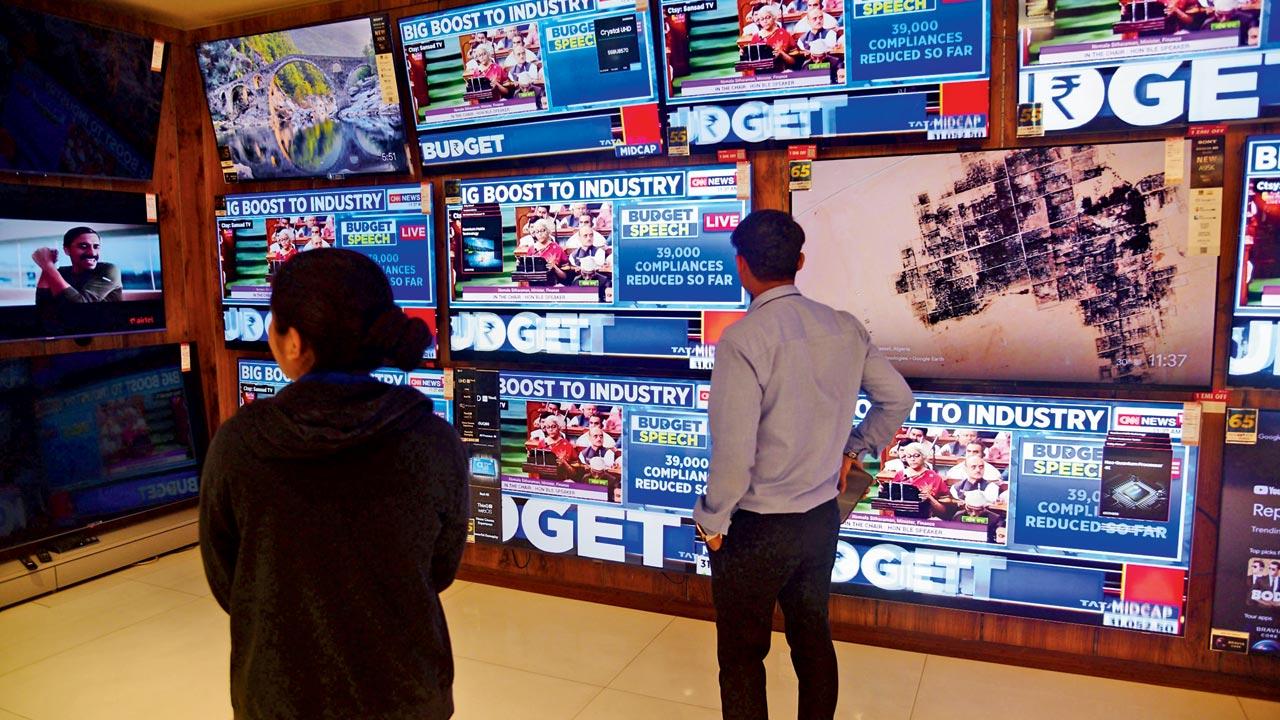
115, 549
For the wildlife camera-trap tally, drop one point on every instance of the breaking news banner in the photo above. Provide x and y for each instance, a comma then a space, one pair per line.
983, 503
1058, 36
807, 118
623, 264
515, 66
260, 232
259, 379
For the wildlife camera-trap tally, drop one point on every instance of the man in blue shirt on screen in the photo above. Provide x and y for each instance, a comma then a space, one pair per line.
783, 392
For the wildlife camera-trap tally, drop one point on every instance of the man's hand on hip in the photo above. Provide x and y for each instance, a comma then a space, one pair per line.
846, 465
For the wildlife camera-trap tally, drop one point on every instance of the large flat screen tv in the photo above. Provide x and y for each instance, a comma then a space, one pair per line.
629, 268
507, 61
1055, 264
1041, 507
76, 99
259, 232
1257, 298
76, 263
316, 101
96, 437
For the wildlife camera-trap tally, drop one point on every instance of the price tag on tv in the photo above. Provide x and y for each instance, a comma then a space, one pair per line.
1030, 120
744, 180
734, 155
800, 173
1205, 234
448, 383
153, 211
425, 191
387, 78
1191, 423
184, 357
1196, 131
678, 142
1242, 426
1175, 156
802, 152
157, 56
1215, 401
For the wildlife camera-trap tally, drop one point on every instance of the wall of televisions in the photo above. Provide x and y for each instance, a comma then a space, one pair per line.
1058, 221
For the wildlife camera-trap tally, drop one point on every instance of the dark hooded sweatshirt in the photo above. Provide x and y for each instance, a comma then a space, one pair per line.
331, 517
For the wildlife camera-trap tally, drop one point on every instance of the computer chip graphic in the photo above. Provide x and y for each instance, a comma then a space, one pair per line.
1137, 476
1135, 494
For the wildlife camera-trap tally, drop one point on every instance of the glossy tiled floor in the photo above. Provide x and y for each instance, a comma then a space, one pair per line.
148, 642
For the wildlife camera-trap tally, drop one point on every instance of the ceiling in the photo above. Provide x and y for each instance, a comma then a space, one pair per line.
192, 14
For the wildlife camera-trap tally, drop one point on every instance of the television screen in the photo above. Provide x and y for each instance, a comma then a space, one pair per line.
1099, 66
1058, 264
76, 99
613, 264
1247, 589
95, 436
257, 233
911, 67
263, 378
76, 263
1055, 35
1071, 510
317, 101
514, 60
1254, 337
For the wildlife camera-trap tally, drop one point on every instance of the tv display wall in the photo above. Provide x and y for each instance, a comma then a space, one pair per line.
257, 233
95, 436
316, 101
1056, 264
260, 379
528, 62
1067, 523
849, 68
631, 267
75, 263
76, 99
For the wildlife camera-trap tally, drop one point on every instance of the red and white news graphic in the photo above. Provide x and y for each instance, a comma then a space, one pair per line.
1148, 419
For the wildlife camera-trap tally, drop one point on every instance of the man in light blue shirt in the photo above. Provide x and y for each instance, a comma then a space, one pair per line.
783, 392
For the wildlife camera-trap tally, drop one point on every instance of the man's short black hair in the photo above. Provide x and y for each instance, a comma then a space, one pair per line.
76, 232
769, 241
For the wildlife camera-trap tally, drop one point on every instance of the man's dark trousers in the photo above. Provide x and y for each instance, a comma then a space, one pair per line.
783, 558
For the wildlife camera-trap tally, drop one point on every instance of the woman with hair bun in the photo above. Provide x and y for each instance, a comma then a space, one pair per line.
333, 514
